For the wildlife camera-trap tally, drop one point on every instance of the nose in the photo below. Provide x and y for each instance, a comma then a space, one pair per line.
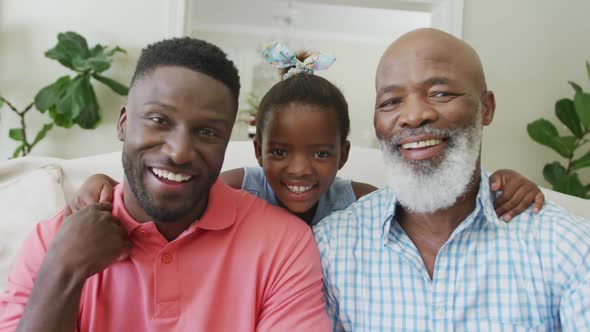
180, 147
416, 112
299, 165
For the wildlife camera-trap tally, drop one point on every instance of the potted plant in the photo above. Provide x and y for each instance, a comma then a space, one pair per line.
575, 115
69, 100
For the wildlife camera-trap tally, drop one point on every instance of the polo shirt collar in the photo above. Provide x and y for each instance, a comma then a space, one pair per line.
221, 211
219, 214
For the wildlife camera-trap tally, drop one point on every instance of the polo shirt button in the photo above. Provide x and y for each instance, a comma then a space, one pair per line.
166, 258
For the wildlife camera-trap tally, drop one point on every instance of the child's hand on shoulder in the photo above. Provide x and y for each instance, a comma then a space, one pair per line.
518, 193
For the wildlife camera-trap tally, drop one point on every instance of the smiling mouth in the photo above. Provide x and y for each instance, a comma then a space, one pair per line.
167, 175
298, 189
421, 144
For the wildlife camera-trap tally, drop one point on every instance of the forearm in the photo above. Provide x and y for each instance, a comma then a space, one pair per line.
54, 301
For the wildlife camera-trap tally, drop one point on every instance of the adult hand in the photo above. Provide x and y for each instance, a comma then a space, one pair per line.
88, 241
96, 189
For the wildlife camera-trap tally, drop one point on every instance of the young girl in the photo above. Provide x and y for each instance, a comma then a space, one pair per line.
301, 142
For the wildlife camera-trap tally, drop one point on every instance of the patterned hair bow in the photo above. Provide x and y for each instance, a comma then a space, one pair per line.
280, 56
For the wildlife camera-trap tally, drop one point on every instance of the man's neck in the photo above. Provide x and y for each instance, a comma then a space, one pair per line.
170, 230
430, 231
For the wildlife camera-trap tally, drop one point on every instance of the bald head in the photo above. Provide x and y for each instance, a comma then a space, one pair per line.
433, 46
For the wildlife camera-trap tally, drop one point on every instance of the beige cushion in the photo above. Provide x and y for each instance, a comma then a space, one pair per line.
24, 201
574, 205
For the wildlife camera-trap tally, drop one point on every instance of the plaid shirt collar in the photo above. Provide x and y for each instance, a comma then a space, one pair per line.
483, 212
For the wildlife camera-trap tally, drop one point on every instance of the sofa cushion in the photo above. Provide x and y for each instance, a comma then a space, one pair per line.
577, 206
25, 200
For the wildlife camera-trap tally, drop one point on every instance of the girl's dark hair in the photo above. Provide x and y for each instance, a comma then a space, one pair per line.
306, 89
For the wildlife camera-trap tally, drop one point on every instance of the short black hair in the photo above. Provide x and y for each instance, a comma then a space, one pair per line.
191, 53
305, 89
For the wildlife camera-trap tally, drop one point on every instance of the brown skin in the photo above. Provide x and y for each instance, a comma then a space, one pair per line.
176, 119
301, 146
179, 121
430, 77
87, 242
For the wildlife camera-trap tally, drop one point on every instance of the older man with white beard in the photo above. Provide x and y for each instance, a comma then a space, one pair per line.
428, 252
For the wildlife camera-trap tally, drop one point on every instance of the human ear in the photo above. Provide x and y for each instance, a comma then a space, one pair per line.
488, 109
258, 150
122, 123
344, 151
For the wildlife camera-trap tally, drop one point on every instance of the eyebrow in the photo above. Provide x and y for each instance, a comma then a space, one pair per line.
314, 146
157, 103
437, 80
173, 109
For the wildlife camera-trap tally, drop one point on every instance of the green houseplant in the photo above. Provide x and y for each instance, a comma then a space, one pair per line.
575, 115
69, 100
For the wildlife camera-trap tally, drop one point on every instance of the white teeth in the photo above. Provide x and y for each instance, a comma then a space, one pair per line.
421, 144
299, 189
170, 176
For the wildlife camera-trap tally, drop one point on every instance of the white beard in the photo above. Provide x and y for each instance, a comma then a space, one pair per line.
424, 186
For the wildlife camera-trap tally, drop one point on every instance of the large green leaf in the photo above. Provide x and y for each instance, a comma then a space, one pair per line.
576, 87
581, 162
544, 132
99, 64
50, 95
99, 59
70, 46
566, 113
60, 119
89, 116
70, 103
114, 85
41, 134
569, 184
97, 49
81, 65
582, 105
588, 69
553, 172
16, 134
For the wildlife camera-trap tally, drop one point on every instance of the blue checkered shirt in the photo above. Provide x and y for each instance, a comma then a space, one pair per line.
531, 274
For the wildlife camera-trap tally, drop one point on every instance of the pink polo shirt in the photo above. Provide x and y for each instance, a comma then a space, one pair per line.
244, 266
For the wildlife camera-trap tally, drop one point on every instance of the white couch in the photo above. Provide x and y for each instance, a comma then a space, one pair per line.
36, 188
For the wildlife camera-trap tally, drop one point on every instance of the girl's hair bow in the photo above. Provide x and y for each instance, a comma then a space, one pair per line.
280, 56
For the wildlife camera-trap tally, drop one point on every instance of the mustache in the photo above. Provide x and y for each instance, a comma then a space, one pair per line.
168, 163
425, 130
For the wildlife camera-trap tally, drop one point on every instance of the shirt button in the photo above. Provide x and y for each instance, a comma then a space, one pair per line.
166, 258
440, 311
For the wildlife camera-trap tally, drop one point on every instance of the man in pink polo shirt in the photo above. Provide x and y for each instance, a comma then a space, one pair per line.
177, 250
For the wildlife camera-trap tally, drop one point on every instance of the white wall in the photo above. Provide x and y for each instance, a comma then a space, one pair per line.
28, 28
529, 49
357, 36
